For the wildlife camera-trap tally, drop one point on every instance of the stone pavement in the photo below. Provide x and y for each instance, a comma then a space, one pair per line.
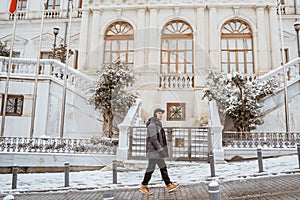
275, 187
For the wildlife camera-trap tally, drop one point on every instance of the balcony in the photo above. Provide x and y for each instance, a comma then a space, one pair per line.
49, 14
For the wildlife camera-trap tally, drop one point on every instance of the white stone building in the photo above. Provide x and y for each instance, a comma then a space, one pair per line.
170, 44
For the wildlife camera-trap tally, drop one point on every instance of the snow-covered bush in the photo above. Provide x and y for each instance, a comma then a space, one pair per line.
239, 97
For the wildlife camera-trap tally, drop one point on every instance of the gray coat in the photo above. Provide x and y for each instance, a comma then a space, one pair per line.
156, 143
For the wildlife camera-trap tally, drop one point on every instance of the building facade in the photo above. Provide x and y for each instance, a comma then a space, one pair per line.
171, 45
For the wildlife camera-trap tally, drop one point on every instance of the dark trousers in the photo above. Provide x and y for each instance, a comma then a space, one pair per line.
151, 167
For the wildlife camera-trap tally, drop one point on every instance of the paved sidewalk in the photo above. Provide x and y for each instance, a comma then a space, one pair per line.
277, 187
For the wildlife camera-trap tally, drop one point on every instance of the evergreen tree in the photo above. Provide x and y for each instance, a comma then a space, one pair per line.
239, 97
61, 53
109, 94
5, 51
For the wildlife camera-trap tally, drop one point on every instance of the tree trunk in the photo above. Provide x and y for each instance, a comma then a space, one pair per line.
107, 123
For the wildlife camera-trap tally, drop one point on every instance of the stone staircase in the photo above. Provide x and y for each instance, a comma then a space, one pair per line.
81, 119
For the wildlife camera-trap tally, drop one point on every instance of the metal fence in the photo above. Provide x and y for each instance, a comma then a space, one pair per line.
57, 145
184, 143
261, 139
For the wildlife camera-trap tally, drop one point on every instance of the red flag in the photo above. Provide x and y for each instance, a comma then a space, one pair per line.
13, 6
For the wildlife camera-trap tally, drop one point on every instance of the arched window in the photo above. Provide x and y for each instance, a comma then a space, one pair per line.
237, 47
177, 48
119, 43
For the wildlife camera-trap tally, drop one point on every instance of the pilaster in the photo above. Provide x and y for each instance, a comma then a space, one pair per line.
93, 55
83, 41
213, 39
261, 40
139, 41
275, 40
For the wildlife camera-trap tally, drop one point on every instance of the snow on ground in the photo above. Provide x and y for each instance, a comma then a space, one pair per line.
182, 172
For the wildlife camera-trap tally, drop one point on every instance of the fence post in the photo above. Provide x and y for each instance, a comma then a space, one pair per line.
212, 164
260, 162
114, 172
298, 150
14, 177
67, 177
213, 190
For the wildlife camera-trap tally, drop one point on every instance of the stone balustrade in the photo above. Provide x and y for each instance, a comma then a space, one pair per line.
292, 73
48, 69
176, 81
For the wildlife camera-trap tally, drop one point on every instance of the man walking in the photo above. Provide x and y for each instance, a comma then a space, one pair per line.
156, 151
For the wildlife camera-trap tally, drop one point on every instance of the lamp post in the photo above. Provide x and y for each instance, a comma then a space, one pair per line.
297, 28
55, 32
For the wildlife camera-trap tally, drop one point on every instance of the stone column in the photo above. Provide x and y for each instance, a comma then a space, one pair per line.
261, 40
139, 41
275, 39
83, 41
200, 50
153, 42
93, 55
213, 39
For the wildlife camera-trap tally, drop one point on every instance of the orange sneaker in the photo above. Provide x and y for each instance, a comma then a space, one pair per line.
144, 189
172, 186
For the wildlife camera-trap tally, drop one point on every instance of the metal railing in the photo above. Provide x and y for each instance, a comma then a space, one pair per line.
57, 145
184, 143
261, 139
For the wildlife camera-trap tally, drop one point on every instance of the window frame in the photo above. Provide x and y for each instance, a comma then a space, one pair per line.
181, 117
237, 30
16, 104
118, 35
177, 60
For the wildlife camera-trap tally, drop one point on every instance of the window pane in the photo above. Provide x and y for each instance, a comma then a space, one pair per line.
130, 44
249, 56
189, 56
114, 57
107, 45
224, 44
181, 57
181, 68
173, 44
164, 68
181, 44
114, 45
189, 68
164, 56
249, 68
232, 68
231, 44
123, 44
123, 57
232, 57
172, 68
107, 57
173, 57
240, 44
241, 68
224, 68
189, 44
248, 44
240, 56
130, 57
165, 45
224, 56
